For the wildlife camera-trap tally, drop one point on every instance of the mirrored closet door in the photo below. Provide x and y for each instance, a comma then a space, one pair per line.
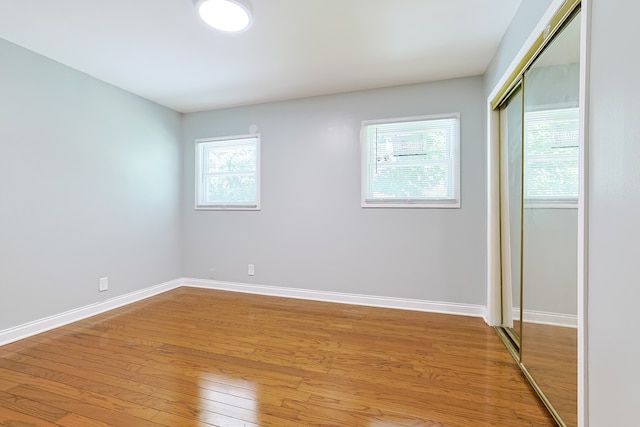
511, 206
539, 192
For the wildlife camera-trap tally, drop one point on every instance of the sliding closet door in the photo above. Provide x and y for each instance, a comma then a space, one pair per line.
550, 221
511, 211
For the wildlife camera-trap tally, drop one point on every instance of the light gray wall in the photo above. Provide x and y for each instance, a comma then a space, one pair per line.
555, 86
89, 187
550, 257
312, 232
614, 215
523, 23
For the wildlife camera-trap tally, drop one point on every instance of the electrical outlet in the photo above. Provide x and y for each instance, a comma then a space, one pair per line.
212, 274
104, 284
251, 270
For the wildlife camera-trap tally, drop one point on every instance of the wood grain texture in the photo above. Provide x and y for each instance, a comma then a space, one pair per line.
195, 357
550, 354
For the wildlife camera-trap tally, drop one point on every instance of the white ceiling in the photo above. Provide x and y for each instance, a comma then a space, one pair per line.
160, 50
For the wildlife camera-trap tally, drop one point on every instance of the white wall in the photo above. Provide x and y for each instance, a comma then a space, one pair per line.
614, 215
89, 187
311, 232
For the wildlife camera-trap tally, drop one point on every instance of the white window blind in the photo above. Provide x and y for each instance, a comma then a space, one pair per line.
411, 162
552, 139
227, 173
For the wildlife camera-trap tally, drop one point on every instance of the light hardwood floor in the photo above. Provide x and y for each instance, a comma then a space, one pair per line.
194, 357
550, 354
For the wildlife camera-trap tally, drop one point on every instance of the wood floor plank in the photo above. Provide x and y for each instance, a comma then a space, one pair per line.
58, 387
166, 419
44, 367
90, 405
426, 404
197, 357
557, 375
15, 402
11, 418
75, 420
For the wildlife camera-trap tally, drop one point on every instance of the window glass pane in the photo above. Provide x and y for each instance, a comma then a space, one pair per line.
411, 182
231, 189
228, 173
411, 161
551, 154
231, 158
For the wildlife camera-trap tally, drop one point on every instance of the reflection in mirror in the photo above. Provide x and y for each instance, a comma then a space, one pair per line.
550, 221
511, 212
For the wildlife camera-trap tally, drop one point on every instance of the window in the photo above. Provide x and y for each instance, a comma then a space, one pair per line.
411, 162
228, 173
552, 139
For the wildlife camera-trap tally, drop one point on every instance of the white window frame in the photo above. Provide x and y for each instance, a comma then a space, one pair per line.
200, 176
453, 164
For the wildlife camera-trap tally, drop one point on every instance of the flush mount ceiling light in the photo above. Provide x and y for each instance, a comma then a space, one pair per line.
225, 15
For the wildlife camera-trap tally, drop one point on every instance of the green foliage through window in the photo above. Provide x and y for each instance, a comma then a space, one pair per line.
551, 151
228, 172
411, 161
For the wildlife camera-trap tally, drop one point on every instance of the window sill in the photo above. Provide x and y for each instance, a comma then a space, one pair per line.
227, 208
417, 205
541, 204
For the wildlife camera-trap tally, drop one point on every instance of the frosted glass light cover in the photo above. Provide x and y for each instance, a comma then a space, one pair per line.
225, 15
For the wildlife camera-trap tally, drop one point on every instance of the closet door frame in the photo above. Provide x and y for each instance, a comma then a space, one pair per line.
559, 12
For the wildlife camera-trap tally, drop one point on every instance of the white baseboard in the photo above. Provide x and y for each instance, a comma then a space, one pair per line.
546, 318
42, 325
342, 298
